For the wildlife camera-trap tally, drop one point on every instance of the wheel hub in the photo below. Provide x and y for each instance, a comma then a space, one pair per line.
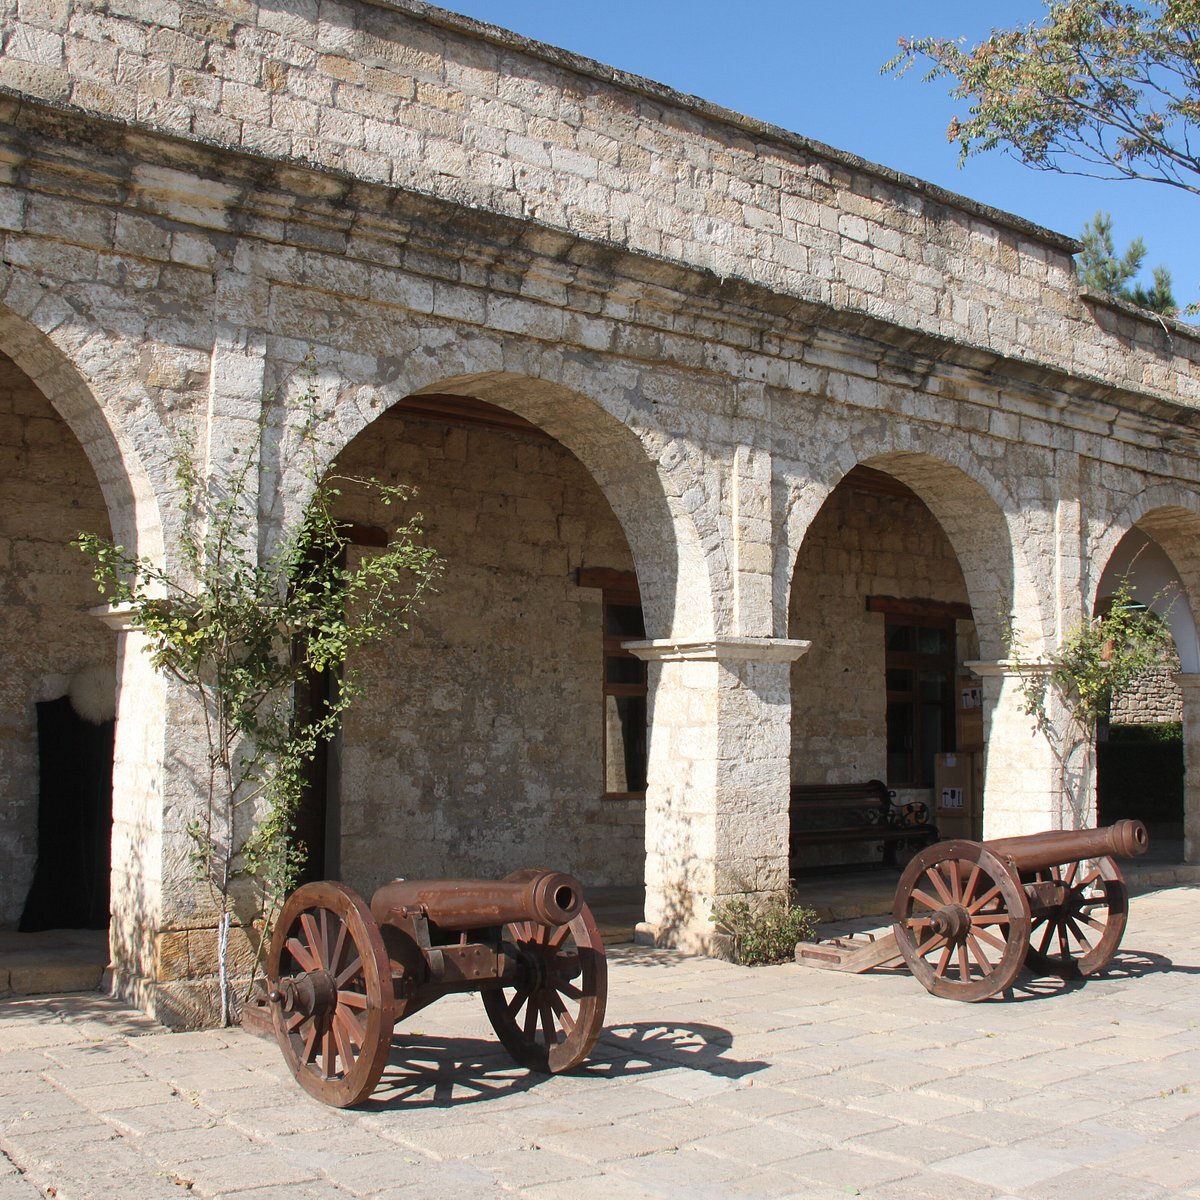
953, 922
313, 993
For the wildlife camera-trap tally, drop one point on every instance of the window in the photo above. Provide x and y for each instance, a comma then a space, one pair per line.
625, 742
920, 660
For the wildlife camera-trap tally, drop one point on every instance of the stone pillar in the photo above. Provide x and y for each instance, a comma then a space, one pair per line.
717, 799
1189, 685
137, 813
162, 938
1031, 783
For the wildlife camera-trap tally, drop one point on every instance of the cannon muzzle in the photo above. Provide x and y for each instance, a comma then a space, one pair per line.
1039, 851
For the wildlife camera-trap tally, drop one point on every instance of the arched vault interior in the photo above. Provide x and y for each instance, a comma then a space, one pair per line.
1156, 580
485, 738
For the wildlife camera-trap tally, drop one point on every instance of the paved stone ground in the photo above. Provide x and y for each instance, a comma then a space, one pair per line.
711, 1081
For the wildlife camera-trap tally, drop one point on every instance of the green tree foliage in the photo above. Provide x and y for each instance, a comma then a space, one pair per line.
1101, 269
1098, 88
243, 633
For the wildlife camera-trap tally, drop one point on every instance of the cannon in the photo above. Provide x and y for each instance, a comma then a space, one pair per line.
969, 915
340, 974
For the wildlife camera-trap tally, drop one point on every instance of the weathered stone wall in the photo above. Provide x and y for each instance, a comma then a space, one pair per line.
860, 544
477, 748
1153, 698
392, 94
48, 494
716, 318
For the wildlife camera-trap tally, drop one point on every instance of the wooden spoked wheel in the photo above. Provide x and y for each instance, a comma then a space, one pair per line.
550, 1017
961, 921
1082, 934
332, 1000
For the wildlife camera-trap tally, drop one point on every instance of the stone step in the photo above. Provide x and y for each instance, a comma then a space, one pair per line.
1145, 876
55, 960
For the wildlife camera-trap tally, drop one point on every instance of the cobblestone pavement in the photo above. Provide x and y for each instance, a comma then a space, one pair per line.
711, 1081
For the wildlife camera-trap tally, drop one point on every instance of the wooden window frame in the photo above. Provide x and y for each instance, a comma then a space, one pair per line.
925, 614
617, 588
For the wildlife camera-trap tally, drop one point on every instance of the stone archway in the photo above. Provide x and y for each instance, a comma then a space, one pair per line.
879, 591
1154, 546
902, 547
59, 681
477, 744
499, 713
76, 385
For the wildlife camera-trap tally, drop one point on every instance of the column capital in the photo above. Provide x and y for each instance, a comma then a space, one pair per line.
115, 616
1187, 680
1005, 667
731, 649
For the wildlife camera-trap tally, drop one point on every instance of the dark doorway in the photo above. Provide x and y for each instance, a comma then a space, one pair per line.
70, 888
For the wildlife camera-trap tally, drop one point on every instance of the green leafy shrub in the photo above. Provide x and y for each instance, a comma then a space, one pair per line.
764, 930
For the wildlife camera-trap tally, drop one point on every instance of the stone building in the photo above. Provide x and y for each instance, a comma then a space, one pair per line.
677, 387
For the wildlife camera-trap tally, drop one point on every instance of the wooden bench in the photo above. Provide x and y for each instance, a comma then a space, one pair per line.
823, 813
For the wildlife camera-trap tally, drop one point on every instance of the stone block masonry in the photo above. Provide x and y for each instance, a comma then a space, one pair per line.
413, 98
707, 322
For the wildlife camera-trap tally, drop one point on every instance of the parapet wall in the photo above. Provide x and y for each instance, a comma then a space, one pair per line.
408, 96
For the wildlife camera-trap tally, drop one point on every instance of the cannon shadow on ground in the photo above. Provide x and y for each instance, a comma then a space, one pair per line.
1125, 965
446, 1072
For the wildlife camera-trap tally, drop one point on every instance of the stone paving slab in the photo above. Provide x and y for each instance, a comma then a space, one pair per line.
711, 1082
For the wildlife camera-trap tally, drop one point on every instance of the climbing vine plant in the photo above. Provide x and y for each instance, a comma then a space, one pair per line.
1070, 693
243, 633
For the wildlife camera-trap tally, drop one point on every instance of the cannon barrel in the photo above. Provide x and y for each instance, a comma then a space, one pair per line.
545, 897
1039, 851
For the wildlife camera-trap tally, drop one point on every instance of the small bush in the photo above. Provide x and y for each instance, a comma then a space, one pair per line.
764, 930
1162, 731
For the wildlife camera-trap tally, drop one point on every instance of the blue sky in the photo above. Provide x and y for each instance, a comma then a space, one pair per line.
812, 66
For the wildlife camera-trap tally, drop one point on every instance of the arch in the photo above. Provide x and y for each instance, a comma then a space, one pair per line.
936, 543
88, 378
1168, 516
648, 478
58, 687
1155, 542
1140, 559
978, 516
48, 345
490, 733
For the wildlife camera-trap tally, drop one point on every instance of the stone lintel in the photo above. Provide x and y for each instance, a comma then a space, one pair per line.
732, 649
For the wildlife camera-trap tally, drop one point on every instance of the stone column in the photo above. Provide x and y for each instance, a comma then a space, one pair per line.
1027, 786
162, 937
717, 798
1189, 685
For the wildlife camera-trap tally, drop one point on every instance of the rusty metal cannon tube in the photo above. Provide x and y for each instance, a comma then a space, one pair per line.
1039, 851
545, 897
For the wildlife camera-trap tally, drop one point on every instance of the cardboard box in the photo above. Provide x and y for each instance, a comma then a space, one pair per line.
954, 795
968, 706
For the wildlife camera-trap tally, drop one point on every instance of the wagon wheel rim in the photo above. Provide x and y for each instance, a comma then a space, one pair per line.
961, 921
1080, 936
550, 1018
332, 1001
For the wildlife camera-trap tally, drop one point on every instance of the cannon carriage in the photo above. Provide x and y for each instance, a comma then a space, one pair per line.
341, 975
969, 915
